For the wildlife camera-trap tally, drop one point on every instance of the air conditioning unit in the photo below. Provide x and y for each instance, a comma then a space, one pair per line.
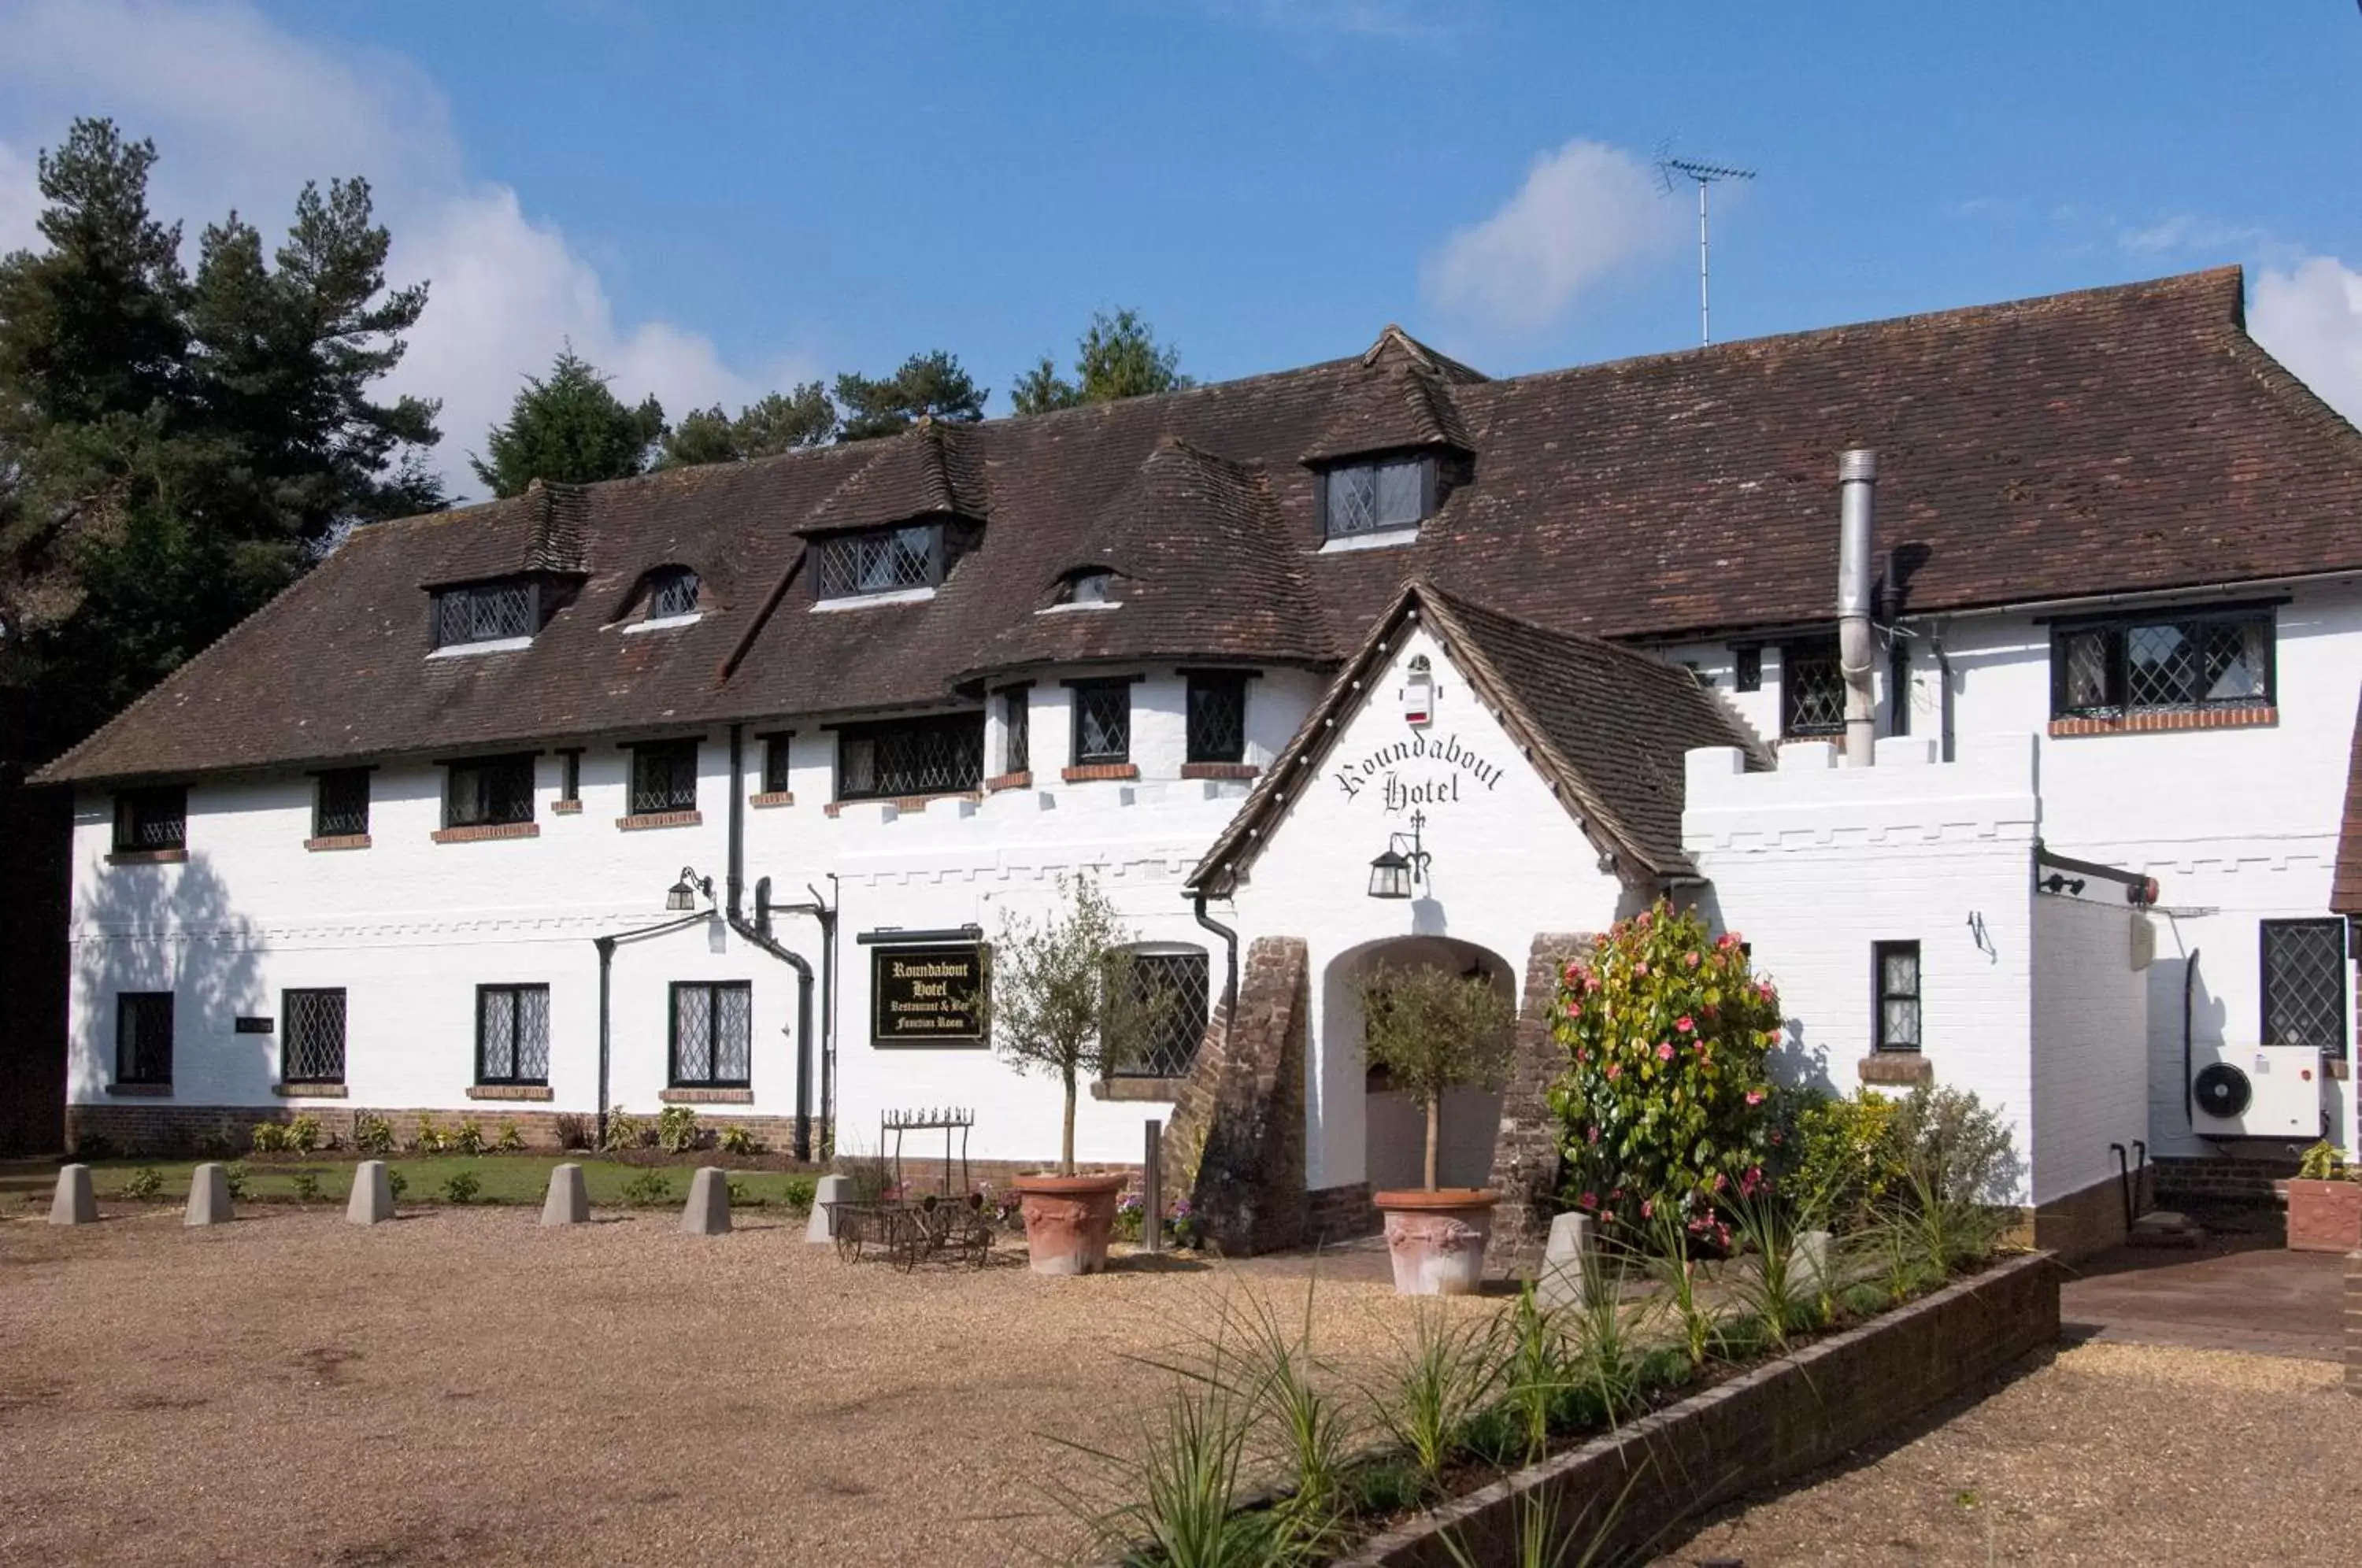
2256, 1091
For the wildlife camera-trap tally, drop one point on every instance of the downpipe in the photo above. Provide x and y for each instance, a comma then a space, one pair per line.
735, 912
1230, 945
607, 946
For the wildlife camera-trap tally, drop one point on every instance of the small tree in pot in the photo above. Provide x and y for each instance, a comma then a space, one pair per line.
1068, 999
1430, 1032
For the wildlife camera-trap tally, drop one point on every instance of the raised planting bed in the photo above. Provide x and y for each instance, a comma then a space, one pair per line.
426, 1178
1633, 1488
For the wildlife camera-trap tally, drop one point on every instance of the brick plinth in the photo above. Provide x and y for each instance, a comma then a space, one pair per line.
2249, 1179
1236, 1141
1526, 1151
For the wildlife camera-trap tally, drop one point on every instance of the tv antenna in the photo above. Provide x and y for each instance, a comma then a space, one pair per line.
1671, 170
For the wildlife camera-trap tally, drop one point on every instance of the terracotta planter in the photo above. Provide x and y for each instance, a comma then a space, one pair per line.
1068, 1220
1437, 1239
2324, 1216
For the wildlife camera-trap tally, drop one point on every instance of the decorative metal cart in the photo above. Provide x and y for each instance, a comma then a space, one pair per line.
951, 1225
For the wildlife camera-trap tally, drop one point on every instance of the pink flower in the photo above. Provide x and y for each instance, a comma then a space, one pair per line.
1640, 968
1595, 1135
1648, 1207
1589, 1200
1763, 990
1755, 1096
1615, 1071
1719, 1180
1665, 1051
1581, 1054
1685, 1024
1727, 941
1692, 960
1640, 919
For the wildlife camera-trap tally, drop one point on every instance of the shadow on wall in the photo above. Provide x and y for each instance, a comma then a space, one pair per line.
174, 929
1797, 1062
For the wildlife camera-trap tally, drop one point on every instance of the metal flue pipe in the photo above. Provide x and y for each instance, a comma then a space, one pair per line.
1857, 516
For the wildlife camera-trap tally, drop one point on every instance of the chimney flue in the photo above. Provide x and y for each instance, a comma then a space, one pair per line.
1857, 516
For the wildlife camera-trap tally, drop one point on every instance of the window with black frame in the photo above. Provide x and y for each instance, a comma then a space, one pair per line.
489, 791
1358, 498
1895, 974
1812, 688
143, 1037
1017, 730
776, 776
512, 1035
1102, 722
664, 778
1180, 987
880, 560
2157, 663
672, 592
713, 1034
311, 1036
942, 754
2304, 983
340, 805
1217, 716
153, 818
484, 612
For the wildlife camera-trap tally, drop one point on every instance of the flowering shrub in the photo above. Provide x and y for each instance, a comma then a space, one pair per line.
1180, 1224
1662, 1096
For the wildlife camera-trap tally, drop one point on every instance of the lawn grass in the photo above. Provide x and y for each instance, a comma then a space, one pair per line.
501, 1178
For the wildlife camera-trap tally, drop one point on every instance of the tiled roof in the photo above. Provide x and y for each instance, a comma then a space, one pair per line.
2345, 888
2119, 439
1606, 726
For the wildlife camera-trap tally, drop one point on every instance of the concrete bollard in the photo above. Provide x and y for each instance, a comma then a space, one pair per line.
829, 1190
1812, 1263
708, 1212
1566, 1262
372, 1200
209, 1200
569, 1202
75, 1203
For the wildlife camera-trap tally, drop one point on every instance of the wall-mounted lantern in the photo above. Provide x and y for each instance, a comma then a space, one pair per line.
681, 899
1394, 874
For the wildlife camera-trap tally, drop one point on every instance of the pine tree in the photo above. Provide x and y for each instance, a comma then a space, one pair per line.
570, 429
776, 423
1116, 357
930, 385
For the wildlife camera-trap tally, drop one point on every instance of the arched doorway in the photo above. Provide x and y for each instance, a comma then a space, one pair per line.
1394, 1128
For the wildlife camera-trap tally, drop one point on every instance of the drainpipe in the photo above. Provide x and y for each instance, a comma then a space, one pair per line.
1944, 689
735, 912
1230, 941
606, 945
1857, 514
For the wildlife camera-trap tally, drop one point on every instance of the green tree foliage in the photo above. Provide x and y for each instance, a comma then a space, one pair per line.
1118, 356
1431, 1030
1661, 1100
568, 428
930, 385
779, 422
173, 452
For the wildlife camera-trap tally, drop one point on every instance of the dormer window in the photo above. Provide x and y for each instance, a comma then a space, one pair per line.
913, 557
473, 613
672, 592
1091, 585
1358, 498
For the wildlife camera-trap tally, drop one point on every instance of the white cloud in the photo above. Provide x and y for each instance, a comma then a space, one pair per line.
243, 111
2310, 316
1586, 213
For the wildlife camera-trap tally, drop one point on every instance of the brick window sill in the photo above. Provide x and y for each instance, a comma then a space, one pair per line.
565, 808
140, 1091
1021, 780
772, 798
1137, 1089
1092, 772
707, 1097
310, 1091
338, 841
646, 819
1221, 770
486, 832
1904, 1067
147, 857
904, 802
508, 1092
2160, 723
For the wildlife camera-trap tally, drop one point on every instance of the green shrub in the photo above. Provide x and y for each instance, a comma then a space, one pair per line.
512, 1139
799, 1191
302, 1136
429, 1139
143, 1183
677, 1129
1846, 1158
740, 1195
462, 1187
467, 1138
235, 1175
306, 1184
396, 1183
576, 1131
1662, 1096
267, 1138
1956, 1147
737, 1139
648, 1189
373, 1133
625, 1130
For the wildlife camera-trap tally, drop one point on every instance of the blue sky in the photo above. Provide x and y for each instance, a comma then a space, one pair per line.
713, 199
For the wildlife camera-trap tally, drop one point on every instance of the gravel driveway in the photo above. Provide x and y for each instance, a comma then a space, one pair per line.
464, 1387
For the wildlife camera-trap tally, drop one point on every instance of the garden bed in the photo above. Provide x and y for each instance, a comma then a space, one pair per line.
627, 1178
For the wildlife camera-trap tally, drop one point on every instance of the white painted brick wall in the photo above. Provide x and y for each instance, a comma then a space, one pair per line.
2091, 1041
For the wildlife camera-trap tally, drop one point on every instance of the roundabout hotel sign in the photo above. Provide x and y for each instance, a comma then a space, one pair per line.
1420, 773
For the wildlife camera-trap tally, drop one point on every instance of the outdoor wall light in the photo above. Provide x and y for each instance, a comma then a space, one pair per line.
2054, 883
682, 898
1396, 872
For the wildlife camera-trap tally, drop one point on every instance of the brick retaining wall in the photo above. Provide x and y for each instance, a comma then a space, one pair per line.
2246, 1178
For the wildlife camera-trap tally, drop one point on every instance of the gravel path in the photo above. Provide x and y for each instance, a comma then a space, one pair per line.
2102, 1453
464, 1387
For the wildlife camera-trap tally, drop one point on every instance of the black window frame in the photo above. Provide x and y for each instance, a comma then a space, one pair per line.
139, 1057
345, 818
1207, 739
444, 606
666, 587
1325, 479
512, 995
2113, 637
1084, 698
658, 784
151, 819
778, 763
1747, 661
2273, 1030
835, 574
293, 1016
713, 990
569, 775
1182, 1029
473, 766
910, 776
1017, 730
1795, 656
1881, 1039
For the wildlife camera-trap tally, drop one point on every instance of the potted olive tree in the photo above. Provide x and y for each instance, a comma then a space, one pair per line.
1430, 1032
1067, 1001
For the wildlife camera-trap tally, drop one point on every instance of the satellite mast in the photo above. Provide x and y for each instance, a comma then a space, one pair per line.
1670, 169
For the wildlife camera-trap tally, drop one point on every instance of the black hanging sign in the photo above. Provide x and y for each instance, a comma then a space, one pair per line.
927, 996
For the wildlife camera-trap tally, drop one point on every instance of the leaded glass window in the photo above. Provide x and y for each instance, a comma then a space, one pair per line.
1177, 986
143, 1037
2304, 983
1017, 730
1102, 722
483, 613
880, 560
664, 778
672, 591
1218, 717
939, 754
775, 763
713, 1034
341, 809
1897, 979
151, 819
1812, 688
511, 1034
488, 792
2153, 664
1369, 498
312, 1041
